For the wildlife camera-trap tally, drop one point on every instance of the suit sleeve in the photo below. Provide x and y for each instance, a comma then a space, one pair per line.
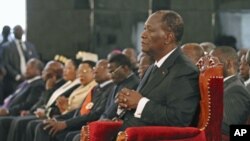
240, 99
95, 114
6, 60
32, 50
34, 94
42, 100
180, 108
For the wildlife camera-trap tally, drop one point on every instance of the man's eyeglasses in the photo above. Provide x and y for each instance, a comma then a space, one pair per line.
113, 72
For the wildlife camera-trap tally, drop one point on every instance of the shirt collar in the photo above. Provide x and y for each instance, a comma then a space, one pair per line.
18, 41
226, 78
247, 81
162, 60
33, 79
103, 84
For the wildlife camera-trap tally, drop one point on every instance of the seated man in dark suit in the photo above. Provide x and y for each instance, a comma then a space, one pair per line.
90, 110
26, 95
168, 93
52, 75
123, 76
236, 97
28, 92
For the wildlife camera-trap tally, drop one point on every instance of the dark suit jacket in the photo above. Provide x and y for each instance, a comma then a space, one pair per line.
11, 62
173, 93
236, 103
111, 107
44, 98
27, 97
99, 98
11, 58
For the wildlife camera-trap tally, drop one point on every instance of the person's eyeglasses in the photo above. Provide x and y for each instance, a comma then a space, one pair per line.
113, 72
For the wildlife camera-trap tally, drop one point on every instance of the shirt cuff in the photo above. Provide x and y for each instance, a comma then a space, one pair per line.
143, 101
18, 77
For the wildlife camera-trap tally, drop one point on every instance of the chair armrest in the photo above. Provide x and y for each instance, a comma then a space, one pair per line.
100, 131
152, 133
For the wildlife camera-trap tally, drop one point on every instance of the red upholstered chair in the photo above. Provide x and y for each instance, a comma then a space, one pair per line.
210, 118
100, 131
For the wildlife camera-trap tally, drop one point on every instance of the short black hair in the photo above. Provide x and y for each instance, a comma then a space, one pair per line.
6, 31
121, 60
90, 63
76, 62
173, 22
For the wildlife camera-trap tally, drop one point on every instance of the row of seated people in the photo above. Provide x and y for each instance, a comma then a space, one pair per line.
168, 95
57, 91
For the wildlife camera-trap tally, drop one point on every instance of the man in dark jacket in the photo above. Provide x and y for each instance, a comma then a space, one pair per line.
25, 96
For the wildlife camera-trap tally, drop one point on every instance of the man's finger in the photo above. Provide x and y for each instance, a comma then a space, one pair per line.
47, 126
54, 132
123, 105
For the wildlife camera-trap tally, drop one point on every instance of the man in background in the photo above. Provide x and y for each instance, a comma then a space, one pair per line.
16, 54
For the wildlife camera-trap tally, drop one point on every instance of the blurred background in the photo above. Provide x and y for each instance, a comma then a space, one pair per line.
99, 26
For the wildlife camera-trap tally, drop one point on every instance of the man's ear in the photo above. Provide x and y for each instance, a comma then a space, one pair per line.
229, 64
126, 68
169, 37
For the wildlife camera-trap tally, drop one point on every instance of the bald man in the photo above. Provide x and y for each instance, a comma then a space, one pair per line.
193, 51
132, 55
207, 47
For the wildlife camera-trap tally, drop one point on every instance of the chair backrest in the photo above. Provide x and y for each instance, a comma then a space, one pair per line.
211, 90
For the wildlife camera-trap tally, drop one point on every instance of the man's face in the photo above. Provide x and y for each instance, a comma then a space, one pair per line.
18, 32
101, 72
218, 55
117, 72
47, 73
31, 70
143, 65
153, 35
244, 68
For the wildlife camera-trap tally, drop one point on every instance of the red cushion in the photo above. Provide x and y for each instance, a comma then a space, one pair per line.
103, 130
152, 133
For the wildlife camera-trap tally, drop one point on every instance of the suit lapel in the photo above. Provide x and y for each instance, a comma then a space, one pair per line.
160, 74
145, 77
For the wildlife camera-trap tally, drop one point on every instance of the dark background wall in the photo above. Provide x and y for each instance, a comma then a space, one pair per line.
65, 27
